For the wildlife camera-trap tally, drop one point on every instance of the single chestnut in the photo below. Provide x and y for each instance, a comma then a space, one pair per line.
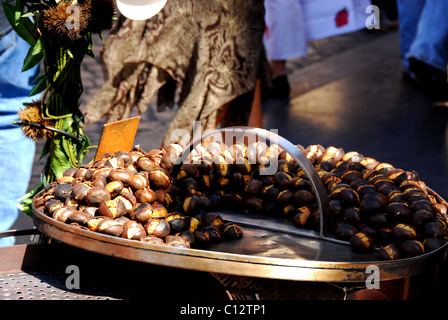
254, 204
349, 197
214, 233
79, 190
63, 190
285, 197
159, 211
301, 217
270, 192
213, 219
110, 227
145, 195
96, 195
254, 187
352, 216
344, 231
142, 213
177, 241
62, 214
373, 202
80, 217
112, 208
232, 231
121, 174
178, 222
139, 181
152, 239
191, 205
432, 244
403, 231
114, 187
434, 229
361, 242
304, 197
157, 227
129, 201
389, 252
412, 248
163, 197
133, 230
282, 179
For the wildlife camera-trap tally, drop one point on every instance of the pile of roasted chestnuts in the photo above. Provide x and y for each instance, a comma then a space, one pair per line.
373, 206
129, 195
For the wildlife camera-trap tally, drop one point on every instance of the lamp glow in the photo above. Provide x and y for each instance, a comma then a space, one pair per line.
140, 9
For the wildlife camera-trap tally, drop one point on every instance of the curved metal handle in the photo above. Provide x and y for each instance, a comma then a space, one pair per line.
238, 134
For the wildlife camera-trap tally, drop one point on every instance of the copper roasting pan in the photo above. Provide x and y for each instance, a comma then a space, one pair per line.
268, 249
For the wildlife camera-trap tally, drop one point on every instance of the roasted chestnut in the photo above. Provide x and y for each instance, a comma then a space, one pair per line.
121, 174
63, 190
157, 227
145, 195
177, 241
114, 187
344, 231
412, 248
110, 227
301, 217
178, 222
139, 181
153, 240
96, 195
434, 230
361, 242
79, 190
142, 213
389, 252
63, 214
232, 231
404, 231
112, 208
133, 230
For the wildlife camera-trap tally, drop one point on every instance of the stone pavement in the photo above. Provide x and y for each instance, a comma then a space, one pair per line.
348, 92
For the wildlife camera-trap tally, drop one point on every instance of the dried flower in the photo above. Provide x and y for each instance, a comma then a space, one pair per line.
67, 18
33, 125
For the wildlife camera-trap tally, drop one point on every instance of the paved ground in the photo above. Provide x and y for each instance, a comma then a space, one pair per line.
348, 92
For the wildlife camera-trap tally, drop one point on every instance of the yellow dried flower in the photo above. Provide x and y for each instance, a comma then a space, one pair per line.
33, 123
67, 18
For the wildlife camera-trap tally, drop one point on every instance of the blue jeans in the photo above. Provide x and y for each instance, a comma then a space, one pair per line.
424, 31
16, 151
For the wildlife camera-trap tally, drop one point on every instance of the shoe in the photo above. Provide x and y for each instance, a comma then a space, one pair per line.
280, 88
430, 79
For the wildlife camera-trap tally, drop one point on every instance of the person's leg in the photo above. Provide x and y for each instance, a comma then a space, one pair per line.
16, 151
16, 161
409, 12
428, 53
285, 38
431, 40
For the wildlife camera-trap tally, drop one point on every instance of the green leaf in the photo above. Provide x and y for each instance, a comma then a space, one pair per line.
23, 26
40, 86
33, 56
58, 160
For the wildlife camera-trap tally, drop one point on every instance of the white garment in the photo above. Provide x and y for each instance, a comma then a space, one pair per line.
285, 35
290, 24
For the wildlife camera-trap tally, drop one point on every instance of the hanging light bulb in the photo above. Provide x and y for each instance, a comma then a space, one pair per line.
140, 9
